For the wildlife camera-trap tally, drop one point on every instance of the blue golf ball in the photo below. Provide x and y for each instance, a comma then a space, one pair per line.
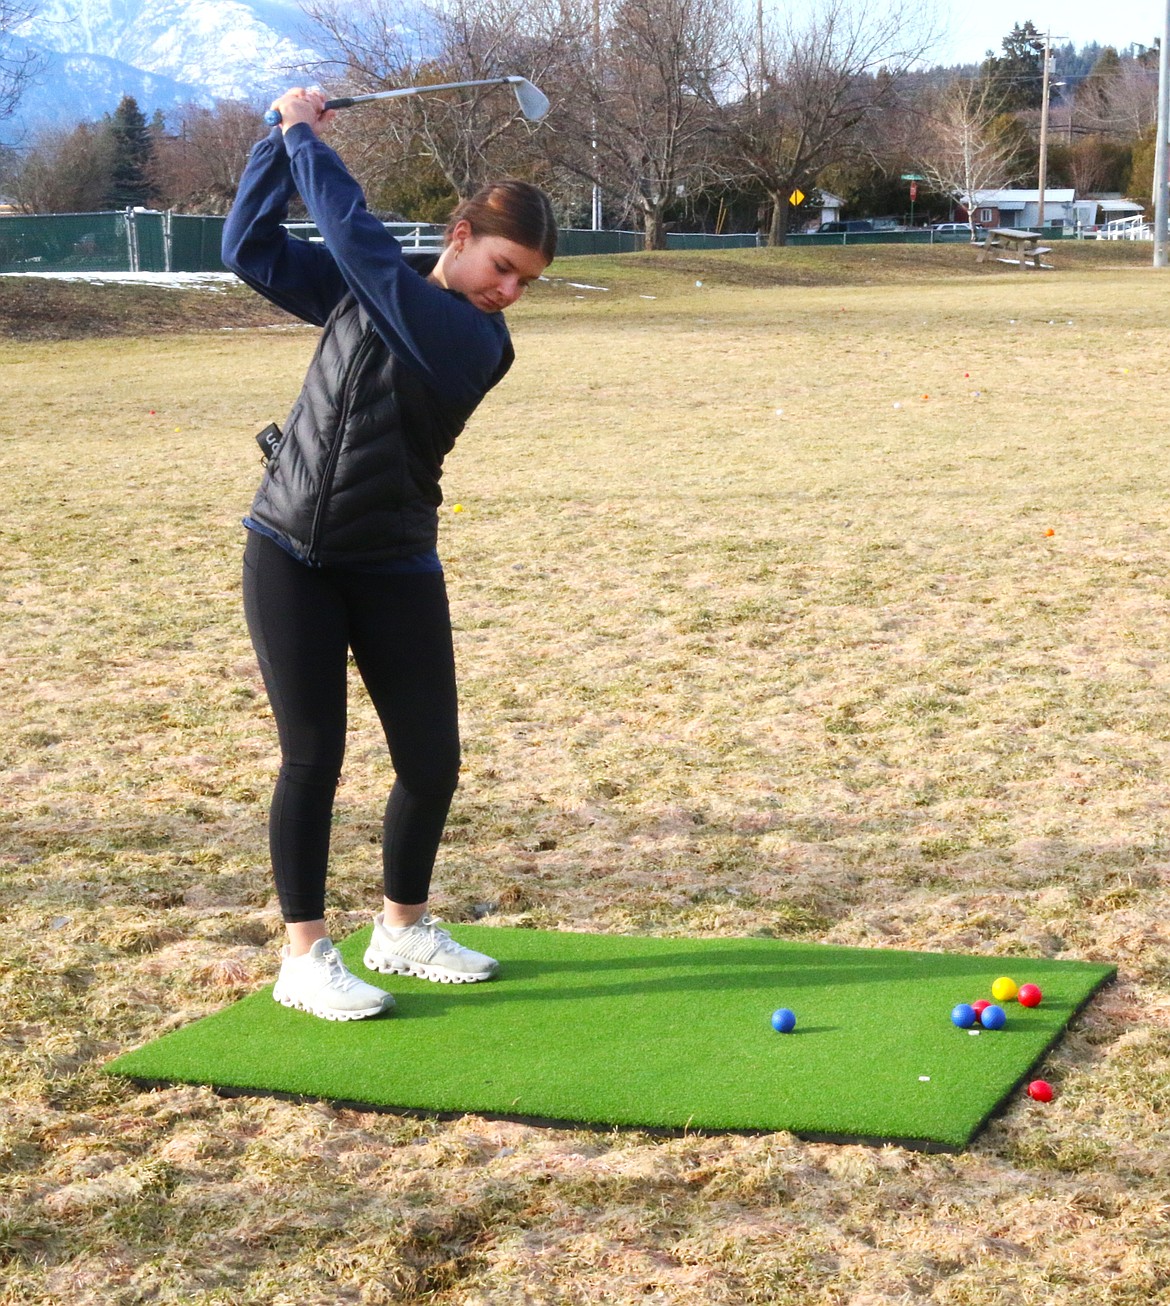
963, 1015
783, 1020
993, 1017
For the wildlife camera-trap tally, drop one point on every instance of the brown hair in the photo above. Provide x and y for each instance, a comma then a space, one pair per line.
516, 210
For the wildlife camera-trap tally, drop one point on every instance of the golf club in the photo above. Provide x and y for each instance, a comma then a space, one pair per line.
532, 101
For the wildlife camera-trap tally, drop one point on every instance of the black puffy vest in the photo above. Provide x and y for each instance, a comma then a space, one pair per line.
355, 478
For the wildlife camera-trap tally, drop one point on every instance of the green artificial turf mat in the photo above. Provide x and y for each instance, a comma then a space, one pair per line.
656, 1032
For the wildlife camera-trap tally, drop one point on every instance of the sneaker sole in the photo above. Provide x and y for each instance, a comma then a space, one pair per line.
327, 1013
438, 974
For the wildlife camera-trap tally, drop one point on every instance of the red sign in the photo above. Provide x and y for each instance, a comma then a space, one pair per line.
913, 190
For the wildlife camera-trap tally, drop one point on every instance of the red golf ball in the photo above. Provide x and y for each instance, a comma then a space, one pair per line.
980, 1007
1029, 995
1040, 1090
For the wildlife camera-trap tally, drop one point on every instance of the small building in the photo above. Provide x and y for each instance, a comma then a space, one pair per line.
1110, 208
1007, 207
830, 210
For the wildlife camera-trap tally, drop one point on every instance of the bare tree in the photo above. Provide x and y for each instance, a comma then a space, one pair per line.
65, 171
967, 150
1093, 164
464, 135
18, 64
1119, 98
637, 86
811, 86
197, 166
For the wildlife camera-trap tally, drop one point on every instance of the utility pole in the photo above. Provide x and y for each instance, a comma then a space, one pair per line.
1047, 95
1044, 131
597, 76
1161, 181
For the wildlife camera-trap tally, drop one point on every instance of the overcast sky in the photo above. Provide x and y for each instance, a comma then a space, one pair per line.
972, 27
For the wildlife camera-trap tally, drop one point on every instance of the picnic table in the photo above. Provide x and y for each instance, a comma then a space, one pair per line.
1021, 247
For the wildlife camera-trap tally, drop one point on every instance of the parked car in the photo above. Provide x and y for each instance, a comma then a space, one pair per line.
853, 224
952, 228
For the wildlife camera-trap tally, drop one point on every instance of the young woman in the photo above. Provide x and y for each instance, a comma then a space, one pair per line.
341, 548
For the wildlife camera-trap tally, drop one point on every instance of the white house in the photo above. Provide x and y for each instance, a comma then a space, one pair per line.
1006, 207
831, 206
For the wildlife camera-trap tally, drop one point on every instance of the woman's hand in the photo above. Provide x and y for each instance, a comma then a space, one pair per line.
303, 104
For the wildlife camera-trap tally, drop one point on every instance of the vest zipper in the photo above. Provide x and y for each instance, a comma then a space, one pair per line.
335, 449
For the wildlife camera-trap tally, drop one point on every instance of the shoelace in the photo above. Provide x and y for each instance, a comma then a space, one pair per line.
437, 937
338, 975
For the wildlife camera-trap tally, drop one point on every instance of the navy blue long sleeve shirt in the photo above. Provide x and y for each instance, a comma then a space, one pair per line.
455, 346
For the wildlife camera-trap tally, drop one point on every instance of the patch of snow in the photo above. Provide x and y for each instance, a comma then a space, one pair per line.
169, 280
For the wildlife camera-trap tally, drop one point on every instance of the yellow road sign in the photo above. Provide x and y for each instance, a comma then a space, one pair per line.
796, 199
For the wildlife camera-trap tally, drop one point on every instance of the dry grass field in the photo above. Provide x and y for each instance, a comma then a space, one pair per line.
826, 599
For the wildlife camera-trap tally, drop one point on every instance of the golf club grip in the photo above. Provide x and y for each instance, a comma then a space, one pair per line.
272, 116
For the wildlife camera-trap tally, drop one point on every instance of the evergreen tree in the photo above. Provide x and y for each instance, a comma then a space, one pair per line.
1105, 70
1075, 65
1017, 76
133, 149
1141, 179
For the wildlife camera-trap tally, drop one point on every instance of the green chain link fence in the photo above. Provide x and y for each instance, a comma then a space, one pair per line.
136, 241
171, 242
110, 242
194, 243
75, 242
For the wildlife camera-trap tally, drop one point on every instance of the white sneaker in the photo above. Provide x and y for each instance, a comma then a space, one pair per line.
425, 950
319, 983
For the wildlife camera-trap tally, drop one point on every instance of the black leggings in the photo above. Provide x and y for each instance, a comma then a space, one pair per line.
303, 622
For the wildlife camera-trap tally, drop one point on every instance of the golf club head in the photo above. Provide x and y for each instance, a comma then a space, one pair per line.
532, 100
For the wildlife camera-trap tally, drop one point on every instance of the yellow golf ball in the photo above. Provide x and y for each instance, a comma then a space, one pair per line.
1004, 989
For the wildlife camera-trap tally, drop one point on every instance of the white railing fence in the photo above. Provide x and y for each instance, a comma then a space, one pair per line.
1133, 228
412, 235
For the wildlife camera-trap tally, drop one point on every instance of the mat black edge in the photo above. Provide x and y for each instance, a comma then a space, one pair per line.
1008, 1098
931, 1145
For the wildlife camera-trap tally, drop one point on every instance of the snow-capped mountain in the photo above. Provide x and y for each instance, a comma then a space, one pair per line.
227, 46
78, 88
163, 52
